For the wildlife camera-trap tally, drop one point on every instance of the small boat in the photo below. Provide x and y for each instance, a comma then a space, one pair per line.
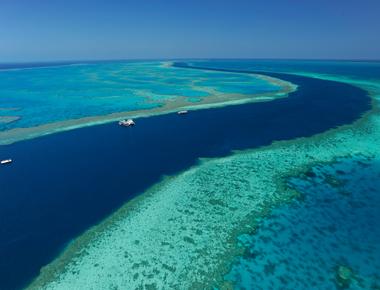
127, 123
6, 161
182, 112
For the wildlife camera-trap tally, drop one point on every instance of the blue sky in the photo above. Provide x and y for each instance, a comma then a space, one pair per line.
43, 30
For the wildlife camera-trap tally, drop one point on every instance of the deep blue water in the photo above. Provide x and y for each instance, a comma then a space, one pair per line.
61, 184
358, 69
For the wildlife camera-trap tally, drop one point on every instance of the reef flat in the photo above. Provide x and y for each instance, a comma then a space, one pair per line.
328, 238
8, 119
183, 233
60, 98
93, 171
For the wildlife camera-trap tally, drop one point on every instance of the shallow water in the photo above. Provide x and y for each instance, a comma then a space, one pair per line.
334, 224
43, 95
68, 182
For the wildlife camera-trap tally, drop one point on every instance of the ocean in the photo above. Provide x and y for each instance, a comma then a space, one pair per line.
62, 184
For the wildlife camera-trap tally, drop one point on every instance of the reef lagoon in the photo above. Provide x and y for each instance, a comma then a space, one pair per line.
39, 100
281, 194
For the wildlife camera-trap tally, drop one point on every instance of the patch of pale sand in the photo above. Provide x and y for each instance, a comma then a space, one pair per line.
9, 119
10, 109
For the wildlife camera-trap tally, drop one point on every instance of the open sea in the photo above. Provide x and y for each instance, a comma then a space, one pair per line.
61, 184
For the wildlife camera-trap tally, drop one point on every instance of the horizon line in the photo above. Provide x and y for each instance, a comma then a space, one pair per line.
183, 58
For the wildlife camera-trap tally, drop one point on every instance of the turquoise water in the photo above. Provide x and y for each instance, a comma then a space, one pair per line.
332, 226
189, 231
42, 95
183, 233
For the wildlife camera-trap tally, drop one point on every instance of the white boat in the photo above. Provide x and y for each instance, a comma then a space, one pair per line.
6, 161
182, 112
127, 123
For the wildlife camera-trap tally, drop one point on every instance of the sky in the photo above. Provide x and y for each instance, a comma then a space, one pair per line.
49, 30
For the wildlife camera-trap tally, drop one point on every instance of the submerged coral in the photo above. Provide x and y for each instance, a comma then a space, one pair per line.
344, 276
182, 233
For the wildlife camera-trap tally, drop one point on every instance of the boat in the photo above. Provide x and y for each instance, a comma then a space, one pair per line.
127, 123
182, 112
6, 161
